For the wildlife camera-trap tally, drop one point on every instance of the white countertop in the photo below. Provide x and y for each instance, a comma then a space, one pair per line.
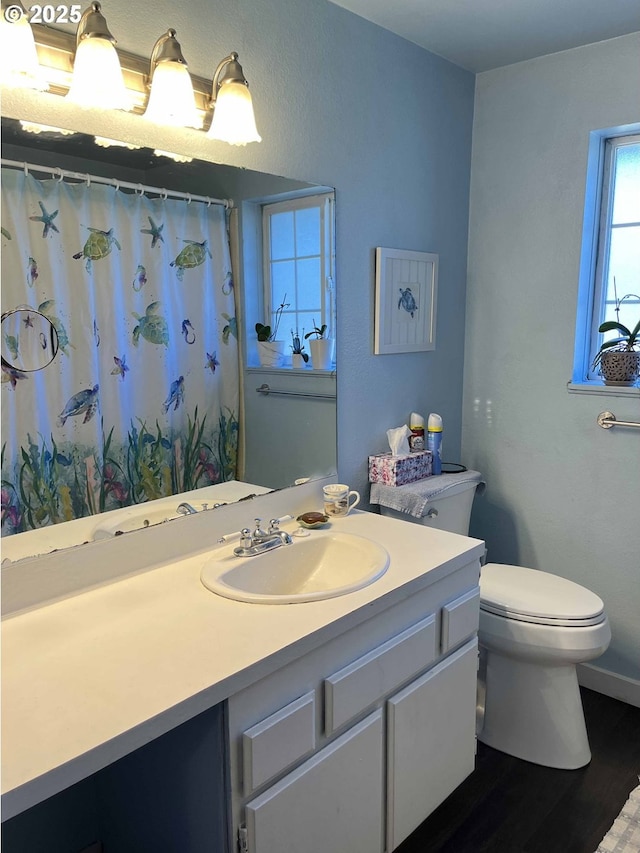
95, 675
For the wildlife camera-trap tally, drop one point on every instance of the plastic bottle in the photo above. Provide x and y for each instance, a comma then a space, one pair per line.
416, 439
434, 442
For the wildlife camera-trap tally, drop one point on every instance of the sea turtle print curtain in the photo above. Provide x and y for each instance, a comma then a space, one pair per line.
142, 398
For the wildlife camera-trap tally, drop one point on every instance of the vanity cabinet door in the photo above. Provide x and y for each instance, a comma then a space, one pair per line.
330, 804
431, 741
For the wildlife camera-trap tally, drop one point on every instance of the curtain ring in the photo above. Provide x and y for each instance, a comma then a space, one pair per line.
139, 190
25, 166
60, 175
116, 184
163, 195
208, 202
188, 198
87, 178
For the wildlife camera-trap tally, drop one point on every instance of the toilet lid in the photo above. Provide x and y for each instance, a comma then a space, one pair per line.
533, 596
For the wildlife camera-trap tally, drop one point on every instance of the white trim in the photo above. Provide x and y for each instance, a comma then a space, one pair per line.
608, 390
609, 683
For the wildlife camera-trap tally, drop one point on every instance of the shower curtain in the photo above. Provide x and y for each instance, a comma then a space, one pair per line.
142, 398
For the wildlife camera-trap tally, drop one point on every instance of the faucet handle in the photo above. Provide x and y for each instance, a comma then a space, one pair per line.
246, 540
274, 525
259, 533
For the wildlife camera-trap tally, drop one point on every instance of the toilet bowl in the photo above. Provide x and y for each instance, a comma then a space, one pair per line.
534, 628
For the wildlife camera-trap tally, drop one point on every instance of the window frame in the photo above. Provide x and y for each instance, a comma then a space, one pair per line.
325, 201
594, 259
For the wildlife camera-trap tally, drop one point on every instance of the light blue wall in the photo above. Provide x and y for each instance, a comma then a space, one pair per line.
343, 103
563, 494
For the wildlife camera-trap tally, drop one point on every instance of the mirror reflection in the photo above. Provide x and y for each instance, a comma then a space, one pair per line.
29, 341
153, 287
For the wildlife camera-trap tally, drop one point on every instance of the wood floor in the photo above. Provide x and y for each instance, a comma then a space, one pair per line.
512, 806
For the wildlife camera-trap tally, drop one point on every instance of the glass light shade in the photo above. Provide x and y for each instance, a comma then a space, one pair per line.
19, 66
105, 142
32, 127
233, 118
171, 100
97, 77
178, 158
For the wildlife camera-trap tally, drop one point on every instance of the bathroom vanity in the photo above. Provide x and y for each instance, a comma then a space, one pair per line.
340, 723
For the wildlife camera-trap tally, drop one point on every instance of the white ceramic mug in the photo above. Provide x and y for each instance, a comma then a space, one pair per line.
337, 499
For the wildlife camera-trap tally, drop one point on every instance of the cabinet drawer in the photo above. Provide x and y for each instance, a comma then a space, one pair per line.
332, 803
273, 745
373, 676
460, 619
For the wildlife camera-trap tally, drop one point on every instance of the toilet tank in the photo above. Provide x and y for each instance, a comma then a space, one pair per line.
449, 511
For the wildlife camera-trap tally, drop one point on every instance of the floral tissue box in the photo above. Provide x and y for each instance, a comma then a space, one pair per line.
399, 470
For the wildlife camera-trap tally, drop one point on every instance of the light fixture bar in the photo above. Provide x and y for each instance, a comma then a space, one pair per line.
56, 50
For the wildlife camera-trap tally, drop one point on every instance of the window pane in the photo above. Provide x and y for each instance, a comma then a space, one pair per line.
282, 241
624, 262
308, 231
629, 314
626, 205
283, 285
309, 289
305, 324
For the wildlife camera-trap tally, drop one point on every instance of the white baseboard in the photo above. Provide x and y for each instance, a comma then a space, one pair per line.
610, 683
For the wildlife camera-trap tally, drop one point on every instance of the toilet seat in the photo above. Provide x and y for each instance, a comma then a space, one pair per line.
529, 595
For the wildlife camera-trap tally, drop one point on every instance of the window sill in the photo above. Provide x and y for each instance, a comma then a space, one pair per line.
603, 390
302, 371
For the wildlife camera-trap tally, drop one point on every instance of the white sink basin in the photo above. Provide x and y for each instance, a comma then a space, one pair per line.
324, 565
136, 519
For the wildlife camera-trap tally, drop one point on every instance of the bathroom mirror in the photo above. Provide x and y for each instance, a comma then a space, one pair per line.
29, 340
304, 400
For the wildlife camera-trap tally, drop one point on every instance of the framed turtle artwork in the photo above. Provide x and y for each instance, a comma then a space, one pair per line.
405, 315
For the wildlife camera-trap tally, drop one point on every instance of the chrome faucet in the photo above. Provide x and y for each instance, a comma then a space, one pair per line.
260, 540
186, 509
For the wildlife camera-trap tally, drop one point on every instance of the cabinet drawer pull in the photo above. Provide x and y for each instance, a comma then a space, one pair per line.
372, 677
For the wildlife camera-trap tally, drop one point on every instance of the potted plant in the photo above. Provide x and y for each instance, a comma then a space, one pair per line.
618, 359
298, 356
270, 349
321, 347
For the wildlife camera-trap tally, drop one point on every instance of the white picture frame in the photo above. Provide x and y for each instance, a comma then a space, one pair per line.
405, 310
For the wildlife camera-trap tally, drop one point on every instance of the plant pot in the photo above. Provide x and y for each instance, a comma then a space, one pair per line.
620, 368
297, 361
270, 353
321, 353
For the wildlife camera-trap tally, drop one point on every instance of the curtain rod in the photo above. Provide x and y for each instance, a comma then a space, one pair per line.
140, 189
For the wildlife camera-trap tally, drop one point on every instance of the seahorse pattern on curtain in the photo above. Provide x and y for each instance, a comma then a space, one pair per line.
142, 399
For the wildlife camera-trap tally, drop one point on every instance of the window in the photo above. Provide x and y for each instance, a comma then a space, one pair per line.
610, 264
298, 251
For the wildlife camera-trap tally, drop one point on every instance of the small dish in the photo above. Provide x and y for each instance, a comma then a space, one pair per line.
312, 520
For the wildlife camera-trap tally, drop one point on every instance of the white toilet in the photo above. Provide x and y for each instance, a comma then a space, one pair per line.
534, 628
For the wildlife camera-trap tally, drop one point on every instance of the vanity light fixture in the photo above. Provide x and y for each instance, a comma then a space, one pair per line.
233, 118
171, 95
19, 64
97, 77
171, 100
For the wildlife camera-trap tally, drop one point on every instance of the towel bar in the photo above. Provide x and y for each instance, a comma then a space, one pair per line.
607, 420
266, 390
